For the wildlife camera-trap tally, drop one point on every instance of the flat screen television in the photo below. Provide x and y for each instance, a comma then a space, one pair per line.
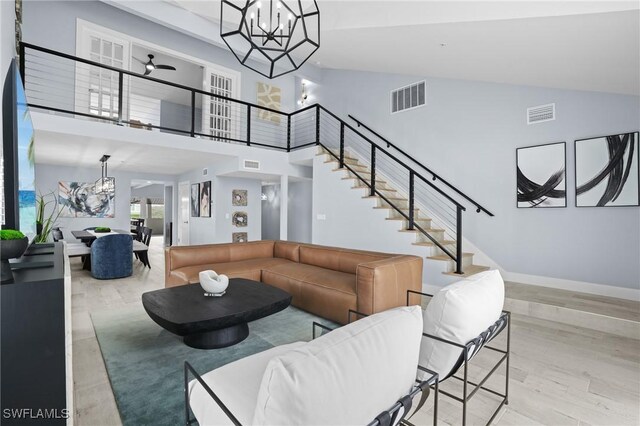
18, 165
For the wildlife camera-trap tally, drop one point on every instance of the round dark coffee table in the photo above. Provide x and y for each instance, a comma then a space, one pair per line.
213, 322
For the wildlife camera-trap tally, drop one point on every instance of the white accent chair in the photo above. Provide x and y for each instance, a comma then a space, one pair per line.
345, 377
460, 320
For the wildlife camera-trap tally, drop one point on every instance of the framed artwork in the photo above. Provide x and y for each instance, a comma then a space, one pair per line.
541, 176
195, 200
79, 199
239, 197
205, 199
239, 219
268, 96
607, 171
239, 237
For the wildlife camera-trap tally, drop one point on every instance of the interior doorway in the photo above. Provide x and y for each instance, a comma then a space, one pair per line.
184, 195
270, 211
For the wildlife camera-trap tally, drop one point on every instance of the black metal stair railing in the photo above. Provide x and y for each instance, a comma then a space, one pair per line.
435, 176
88, 89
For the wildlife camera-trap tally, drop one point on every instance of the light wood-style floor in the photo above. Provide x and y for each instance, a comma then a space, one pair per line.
560, 374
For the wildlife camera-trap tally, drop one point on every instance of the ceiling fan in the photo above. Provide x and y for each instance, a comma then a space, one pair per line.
150, 66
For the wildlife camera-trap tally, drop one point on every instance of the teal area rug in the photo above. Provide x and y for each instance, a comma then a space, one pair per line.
145, 363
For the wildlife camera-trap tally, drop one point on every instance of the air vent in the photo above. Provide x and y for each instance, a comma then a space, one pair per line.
541, 113
205, 172
252, 164
409, 97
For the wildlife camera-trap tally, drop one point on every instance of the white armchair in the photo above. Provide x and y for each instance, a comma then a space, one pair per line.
345, 377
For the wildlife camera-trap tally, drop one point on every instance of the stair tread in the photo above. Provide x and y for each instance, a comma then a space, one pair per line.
444, 257
431, 244
388, 198
415, 219
427, 229
391, 208
468, 271
357, 178
380, 189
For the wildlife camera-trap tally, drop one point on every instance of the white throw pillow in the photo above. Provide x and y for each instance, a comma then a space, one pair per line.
459, 312
346, 377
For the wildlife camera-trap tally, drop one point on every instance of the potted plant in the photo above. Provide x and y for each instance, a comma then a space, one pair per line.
45, 224
12, 245
102, 229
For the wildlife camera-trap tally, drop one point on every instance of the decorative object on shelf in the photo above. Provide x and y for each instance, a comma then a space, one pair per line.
102, 229
269, 96
239, 219
44, 225
239, 237
607, 171
105, 185
239, 197
541, 179
205, 199
149, 66
12, 245
213, 284
271, 37
79, 199
195, 200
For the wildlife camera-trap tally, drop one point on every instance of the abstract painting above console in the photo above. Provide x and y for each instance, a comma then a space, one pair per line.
541, 176
239, 219
239, 237
79, 199
607, 171
239, 197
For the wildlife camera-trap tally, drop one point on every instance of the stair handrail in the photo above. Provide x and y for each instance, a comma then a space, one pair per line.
435, 176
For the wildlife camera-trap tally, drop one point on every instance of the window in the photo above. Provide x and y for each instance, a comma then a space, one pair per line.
155, 208
409, 97
135, 208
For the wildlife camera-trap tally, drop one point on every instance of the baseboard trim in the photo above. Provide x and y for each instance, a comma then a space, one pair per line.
561, 284
577, 286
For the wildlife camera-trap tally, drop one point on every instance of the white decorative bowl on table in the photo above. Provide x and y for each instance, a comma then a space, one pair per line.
213, 284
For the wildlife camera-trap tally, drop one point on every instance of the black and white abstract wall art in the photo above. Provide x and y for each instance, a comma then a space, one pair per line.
195, 200
541, 176
607, 171
79, 199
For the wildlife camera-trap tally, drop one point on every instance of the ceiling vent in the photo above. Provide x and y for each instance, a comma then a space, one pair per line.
252, 164
541, 113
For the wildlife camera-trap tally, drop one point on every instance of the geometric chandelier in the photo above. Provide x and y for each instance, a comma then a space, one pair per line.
271, 37
105, 185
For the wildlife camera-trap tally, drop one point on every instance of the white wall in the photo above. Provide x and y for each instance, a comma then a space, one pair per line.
469, 132
218, 228
48, 176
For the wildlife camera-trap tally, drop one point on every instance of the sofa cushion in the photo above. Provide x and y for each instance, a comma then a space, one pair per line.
346, 377
287, 250
314, 275
249, 269
236, 384
250, 250
337, 259
459, 312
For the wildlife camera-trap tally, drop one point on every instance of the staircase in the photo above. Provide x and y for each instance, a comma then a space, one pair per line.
397, 204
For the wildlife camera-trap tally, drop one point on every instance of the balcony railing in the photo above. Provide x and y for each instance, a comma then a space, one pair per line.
86, 89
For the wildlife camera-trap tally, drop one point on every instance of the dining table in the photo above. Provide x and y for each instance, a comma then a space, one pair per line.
88, 236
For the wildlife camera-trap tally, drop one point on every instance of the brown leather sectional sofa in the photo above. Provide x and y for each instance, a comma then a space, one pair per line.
325, 281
